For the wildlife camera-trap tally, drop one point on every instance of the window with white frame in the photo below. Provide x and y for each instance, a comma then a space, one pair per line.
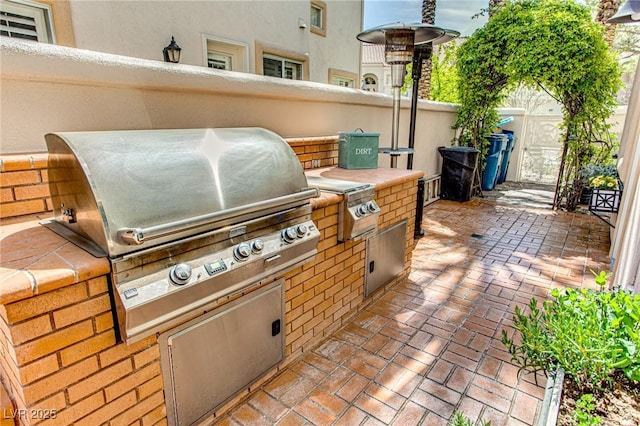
342, 78
26, 20
219, 61
342, 81
223, 54
370, 83
318, 17
275, 66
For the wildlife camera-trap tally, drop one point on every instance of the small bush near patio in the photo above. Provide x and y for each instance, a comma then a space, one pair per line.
593, 335
460, 419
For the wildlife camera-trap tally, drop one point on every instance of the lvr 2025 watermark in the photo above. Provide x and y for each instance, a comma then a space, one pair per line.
24, 413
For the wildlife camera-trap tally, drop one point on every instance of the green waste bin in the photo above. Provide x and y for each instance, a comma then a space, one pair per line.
358, 150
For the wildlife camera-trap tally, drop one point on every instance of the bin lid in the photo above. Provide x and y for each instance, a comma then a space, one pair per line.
457, 149
350, 134
504, 121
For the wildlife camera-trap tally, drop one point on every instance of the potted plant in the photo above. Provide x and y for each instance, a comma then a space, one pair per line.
605, 194
598, 175
592, 337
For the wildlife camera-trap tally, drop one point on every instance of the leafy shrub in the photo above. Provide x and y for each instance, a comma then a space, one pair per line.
584, 409
460, 419
586, 332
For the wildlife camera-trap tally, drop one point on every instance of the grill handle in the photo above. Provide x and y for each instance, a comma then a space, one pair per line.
137, 236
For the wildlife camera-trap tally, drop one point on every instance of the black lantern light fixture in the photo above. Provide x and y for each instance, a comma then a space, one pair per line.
399, 41
172, 52
629, 13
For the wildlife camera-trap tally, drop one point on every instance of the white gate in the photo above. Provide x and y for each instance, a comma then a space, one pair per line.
541, 149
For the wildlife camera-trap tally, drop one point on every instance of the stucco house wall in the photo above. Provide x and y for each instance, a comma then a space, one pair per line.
143, 28
47, 88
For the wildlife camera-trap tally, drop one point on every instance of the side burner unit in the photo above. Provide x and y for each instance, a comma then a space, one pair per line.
358, 213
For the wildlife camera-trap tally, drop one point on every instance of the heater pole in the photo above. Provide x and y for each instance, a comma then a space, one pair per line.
420, 53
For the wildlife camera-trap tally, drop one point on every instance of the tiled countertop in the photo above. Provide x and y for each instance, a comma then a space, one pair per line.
381, 178
34, 260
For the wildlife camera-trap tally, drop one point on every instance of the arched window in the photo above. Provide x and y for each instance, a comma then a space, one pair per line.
370, 83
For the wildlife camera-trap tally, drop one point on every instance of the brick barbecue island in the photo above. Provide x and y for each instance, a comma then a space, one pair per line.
61, 362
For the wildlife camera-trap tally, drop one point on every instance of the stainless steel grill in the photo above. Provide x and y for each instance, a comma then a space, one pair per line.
199, 226
188, 218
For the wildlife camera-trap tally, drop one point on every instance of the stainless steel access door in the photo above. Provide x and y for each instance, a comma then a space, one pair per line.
385, 257
207, 361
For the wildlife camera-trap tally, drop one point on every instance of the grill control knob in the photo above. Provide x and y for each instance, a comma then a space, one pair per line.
361, 210
242, 252
301, 230
372, 206
257, 246
289, 235
180, 274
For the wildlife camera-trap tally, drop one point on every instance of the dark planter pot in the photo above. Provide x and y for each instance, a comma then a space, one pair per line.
585, 195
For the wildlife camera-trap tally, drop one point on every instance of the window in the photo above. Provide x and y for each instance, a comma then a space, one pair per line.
219, 61
319, 18
274, 61
342, 78
26, 20
370, 83
344, 82
274, 66
223, 54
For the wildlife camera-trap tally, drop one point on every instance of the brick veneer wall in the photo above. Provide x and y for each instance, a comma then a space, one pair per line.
316, 152
321, 295
60, 357
24, 187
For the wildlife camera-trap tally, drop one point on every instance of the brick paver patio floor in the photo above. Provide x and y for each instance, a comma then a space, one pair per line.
431, 345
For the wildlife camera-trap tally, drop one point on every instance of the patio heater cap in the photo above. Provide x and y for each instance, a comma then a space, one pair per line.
171, 53
629, 13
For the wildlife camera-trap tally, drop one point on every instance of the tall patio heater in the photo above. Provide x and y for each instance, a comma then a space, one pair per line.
399, 40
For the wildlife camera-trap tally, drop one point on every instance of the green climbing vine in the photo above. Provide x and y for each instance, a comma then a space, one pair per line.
552, 45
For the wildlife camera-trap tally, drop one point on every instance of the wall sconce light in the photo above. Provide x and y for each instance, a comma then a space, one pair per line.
302, 24
172, 52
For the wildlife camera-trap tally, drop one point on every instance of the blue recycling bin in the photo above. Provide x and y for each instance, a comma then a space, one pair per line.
493, 160
490, 173
506, 156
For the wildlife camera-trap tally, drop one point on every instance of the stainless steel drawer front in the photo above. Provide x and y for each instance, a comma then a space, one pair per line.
207, 361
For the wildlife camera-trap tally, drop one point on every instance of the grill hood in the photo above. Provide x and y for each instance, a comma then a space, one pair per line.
131, 190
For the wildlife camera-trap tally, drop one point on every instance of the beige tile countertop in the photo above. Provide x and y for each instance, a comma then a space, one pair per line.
35, 260
381, 178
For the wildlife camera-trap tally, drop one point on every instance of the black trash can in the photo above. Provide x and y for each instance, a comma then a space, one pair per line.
458, 169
